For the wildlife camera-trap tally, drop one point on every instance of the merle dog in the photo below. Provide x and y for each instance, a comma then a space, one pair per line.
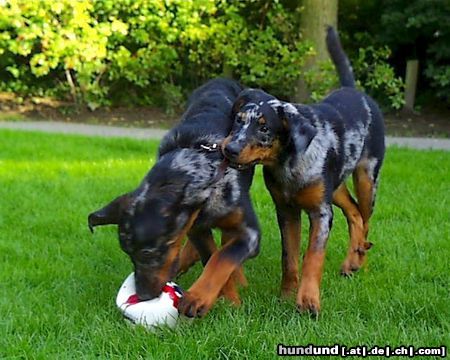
189, 191
308, 152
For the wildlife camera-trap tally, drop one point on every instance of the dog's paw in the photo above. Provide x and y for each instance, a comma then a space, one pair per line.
308, 300
194, 305
349, 267
355, 259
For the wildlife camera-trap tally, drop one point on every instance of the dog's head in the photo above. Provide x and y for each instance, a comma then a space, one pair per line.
263, 126
152, 221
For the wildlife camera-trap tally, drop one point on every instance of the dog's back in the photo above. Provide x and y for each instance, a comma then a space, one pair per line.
207, 119
354, 117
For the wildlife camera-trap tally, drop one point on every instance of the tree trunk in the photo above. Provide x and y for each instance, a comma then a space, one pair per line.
412, 70
316, 15
227, 71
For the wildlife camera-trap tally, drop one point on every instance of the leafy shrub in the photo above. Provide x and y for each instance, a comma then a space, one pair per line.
377, 77
149, 52
372, 72
321, 79
266, 50
54, 45
142, 51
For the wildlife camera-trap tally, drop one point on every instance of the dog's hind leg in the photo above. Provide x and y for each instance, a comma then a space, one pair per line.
357, 245
188, 257
204, 243
365, 181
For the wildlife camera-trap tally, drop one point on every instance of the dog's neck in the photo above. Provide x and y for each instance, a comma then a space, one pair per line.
203, 170
306, 167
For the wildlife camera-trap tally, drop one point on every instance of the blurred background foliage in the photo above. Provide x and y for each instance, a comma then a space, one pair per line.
407, 29
154, 52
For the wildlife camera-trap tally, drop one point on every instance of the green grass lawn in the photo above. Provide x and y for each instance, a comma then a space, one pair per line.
58, 282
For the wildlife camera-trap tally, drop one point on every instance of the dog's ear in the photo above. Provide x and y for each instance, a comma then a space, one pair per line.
301, 132
302, 135
244, 97
111, 213
241, 100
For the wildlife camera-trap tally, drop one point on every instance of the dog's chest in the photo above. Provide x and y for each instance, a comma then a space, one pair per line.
289, 183
327, 152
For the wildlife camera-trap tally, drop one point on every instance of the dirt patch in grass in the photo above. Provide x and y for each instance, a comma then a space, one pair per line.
429, 122
13, 108
426, 123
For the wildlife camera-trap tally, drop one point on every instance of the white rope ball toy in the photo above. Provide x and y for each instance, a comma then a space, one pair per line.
159, 311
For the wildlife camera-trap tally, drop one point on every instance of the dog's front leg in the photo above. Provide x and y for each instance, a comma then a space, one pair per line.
289, 223
308, 297
199, 299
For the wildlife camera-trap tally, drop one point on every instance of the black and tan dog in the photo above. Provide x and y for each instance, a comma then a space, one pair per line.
188, 192
308, 152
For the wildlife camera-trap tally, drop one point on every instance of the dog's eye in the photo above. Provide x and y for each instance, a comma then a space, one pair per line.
146, 254
239, 120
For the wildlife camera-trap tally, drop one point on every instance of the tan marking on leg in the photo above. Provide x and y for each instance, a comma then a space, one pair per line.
311, 196
238, 275
365, 193
230, 289
188, 257
357, 245
164, 274
291, 252
289, 223
204, 292
232, 220
308, 296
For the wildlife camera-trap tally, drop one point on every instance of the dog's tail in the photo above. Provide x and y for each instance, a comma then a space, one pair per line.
339, 58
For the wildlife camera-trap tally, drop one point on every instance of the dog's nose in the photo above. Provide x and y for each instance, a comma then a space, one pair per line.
232, 150
147, 288
144, 294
